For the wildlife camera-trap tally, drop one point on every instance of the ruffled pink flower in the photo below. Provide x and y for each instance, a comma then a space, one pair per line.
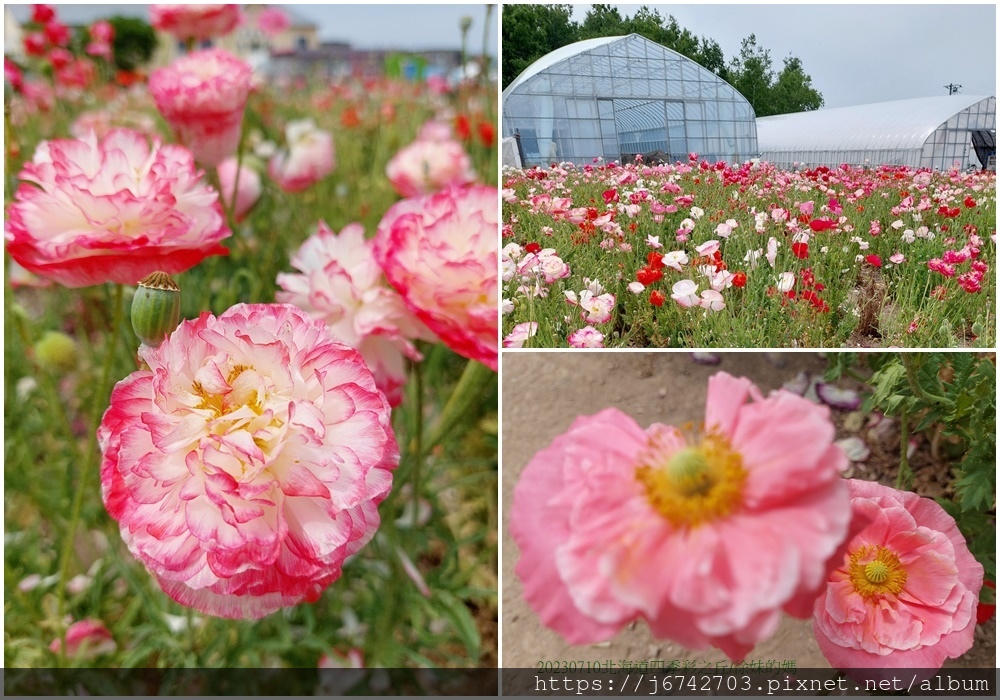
905, 593
248, 188
342, 285
426, 166
87, 639
273, 21
91, 211
440, 253
586, 337
196, 22
708, 538
248, 461
202, 96
307, 160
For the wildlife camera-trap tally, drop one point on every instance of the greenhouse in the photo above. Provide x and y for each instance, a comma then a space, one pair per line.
927, 132
615, 97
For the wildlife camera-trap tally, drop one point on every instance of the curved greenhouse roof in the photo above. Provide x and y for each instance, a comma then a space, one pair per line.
614, 97
932, 132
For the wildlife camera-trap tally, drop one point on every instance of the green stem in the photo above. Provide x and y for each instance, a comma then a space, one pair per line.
90, 455
911, 375
416, 446
470, 386
905, 475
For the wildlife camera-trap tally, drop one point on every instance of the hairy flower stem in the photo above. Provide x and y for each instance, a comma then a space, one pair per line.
90, 457
416, 447
469, 389
904, 478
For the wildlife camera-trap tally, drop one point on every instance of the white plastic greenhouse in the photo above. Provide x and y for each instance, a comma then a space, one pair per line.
927, 132
614, 97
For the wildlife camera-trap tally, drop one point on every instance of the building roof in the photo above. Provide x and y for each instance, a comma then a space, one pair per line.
560, 54
899, 124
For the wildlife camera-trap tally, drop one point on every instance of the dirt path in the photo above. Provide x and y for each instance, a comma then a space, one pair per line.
544, 392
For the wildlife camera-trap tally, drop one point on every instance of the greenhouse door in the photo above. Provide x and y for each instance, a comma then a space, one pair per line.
609, 133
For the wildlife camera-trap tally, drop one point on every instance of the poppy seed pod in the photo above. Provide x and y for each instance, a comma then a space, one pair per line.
156, 308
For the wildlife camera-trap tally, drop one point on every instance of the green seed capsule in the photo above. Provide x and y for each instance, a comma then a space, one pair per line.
56, 352
156, 308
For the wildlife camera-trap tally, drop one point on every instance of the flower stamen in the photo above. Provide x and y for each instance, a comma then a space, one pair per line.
876, 571
694, 485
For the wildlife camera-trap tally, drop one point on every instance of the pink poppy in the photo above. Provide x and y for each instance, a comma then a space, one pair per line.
519, 334
248, 188
248, 461
708, 538
272, 21
87, 639
427, 166
342, 285
91, 211
202, 97
307, 159
904, 594
440, 252
197, 22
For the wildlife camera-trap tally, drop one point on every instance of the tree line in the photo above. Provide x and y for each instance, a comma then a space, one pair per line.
531, 31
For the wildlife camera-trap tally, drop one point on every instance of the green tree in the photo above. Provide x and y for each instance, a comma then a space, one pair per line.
711, 57
793, 90
530, 32
751, 74
603, 20
134, 44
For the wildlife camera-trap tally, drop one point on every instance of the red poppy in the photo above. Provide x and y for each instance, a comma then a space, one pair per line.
462, 127
34, 44
610, 196
986, 611
969, 202
532, 247
822, 224
648, 275
801, 250
487, 133
349, 118
656, 298
874, 260
655, 260
740, 279
41, 14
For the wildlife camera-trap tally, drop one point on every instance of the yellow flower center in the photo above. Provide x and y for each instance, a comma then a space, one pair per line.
221, 404
876, 571
694, 485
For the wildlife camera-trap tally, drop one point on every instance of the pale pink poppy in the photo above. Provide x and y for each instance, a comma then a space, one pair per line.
786, 280
87, 639
248, 187
426, 166
197, 22
247, 462
308, 158
905, 591
712, 300
597, 308
341, 284
685, 293
114, 209
519, 334
202, 96
440, 253
709, 538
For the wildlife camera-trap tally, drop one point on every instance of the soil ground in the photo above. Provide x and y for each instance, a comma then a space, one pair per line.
544, 391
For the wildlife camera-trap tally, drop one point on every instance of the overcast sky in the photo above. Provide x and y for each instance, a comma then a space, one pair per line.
367, 26
857, 54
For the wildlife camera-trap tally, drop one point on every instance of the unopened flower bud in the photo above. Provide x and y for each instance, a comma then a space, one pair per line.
156, 308
56, 352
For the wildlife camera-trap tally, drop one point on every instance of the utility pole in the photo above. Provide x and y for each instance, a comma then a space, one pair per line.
952, 88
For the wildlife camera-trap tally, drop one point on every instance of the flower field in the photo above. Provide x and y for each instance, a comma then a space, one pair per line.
288, 459
708, 255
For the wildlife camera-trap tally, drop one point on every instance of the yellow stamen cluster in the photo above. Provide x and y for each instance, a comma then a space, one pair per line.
694, 485
876, 571
220, 404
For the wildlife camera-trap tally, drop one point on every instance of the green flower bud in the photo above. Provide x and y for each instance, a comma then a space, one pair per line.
156, 308
56, 352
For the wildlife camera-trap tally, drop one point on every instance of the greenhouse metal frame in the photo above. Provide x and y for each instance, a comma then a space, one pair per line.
615, 97
927, 132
